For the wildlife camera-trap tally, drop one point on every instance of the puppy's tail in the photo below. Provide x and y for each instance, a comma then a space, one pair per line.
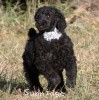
32, 33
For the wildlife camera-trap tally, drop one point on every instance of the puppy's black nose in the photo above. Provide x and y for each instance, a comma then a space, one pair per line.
41, 22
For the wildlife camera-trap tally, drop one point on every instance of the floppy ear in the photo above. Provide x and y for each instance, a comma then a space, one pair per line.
61, 23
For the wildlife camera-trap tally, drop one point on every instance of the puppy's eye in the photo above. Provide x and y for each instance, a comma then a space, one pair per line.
48, 16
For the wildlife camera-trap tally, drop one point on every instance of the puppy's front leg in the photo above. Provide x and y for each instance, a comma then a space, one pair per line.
71, 72
53, 79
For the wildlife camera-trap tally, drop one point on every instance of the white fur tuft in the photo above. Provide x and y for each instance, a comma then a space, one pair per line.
52, 35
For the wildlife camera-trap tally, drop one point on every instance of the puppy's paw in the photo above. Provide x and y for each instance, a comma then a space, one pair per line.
71, 83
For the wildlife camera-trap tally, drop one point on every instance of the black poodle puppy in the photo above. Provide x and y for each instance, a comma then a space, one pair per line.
49, 52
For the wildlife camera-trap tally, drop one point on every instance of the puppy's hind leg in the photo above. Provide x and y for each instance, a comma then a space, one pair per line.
32, 74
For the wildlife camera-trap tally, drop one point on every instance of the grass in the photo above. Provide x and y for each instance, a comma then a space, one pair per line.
13, 35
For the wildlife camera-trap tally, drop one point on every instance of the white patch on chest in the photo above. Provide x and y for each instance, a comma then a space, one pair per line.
52, 35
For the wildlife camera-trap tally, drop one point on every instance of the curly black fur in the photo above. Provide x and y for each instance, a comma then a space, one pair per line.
49, 58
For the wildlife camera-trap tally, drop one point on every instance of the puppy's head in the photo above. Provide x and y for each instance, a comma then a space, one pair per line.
47, 18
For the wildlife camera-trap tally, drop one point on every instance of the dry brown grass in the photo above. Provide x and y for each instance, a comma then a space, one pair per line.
85, 36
